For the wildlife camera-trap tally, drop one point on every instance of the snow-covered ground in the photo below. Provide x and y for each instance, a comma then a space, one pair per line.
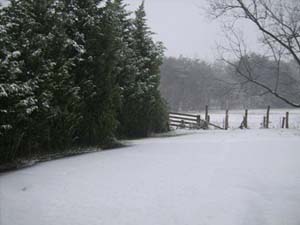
235, 177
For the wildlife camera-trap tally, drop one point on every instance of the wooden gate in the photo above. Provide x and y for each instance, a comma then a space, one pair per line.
190, 121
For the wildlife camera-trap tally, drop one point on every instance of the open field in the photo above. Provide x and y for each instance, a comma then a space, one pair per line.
207, 177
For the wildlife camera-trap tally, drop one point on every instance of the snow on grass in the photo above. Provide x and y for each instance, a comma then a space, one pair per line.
208, 177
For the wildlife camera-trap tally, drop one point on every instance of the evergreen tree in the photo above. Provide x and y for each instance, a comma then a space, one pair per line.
126, 69
35, 78
145, 111
72, 72
93, 28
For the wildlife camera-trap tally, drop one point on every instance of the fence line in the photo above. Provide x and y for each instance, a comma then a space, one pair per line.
194, 121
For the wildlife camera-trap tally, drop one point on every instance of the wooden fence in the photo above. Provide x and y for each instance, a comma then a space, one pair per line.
192, 121
184, 120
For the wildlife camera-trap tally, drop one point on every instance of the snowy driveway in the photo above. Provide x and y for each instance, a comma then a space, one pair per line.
208, 178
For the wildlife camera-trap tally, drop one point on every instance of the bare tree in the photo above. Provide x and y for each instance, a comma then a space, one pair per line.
279, 25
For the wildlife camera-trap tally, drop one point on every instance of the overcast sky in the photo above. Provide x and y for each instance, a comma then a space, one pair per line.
184, 28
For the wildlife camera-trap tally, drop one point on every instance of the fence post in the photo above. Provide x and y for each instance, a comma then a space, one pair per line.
198, 121
226, 120
287, 120
283, 122
268, 117
264, 122
246, 119
206, 113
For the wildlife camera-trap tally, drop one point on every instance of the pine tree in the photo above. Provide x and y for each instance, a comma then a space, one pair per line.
35, 77
126, 69
95, 71
18, 100
145, 111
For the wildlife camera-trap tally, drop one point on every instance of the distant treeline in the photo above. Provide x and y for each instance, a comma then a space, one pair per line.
76, 73
190, 84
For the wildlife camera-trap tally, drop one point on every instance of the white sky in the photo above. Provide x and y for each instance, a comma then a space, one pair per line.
181, 26
184, 28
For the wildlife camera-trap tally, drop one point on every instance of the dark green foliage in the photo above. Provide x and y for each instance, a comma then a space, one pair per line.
75, 73
34, 76
144, 111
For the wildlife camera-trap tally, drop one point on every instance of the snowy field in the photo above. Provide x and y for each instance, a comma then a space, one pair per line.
238, 177
255, 117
